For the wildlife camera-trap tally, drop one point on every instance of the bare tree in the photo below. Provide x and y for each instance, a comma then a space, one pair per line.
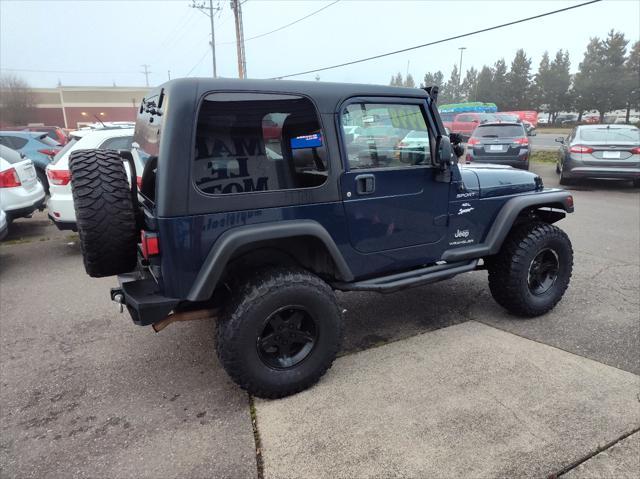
16, 100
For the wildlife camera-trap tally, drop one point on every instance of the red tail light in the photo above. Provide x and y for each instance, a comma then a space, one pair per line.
469, 159
139, 182
522, 141
473, 141
635, 151
580, 149
59, 177
49, 151
150, 245
9, 178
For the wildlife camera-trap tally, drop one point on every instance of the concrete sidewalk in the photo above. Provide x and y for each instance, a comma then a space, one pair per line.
465, 401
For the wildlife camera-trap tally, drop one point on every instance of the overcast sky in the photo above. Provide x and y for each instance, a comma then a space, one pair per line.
96, 42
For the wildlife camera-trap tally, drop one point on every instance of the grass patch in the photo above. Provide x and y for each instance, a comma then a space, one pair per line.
557, 130
544, 156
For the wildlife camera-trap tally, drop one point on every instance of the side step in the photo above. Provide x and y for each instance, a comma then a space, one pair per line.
410, 279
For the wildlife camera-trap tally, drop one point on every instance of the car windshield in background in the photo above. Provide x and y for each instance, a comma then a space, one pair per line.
611, 135
498, 131
12, 156
417, 134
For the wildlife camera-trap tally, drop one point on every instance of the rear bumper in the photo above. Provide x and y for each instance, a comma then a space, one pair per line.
64, 225
141, 295
60, 206
25, 210
519, 160
600, 172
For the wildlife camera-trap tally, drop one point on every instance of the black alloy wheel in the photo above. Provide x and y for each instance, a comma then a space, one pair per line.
288, 337
543, 272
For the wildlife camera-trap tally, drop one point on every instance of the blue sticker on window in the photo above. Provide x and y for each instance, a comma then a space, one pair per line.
307, 141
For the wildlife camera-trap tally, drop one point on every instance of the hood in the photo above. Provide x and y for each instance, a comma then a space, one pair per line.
498, 180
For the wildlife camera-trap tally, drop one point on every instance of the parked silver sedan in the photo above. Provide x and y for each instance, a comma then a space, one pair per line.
600, 151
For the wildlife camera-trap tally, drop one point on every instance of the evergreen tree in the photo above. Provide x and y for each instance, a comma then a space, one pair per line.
469, 85
484, 85
552, 82
451, 90
433, 79
499, 84
409, 81
397, 80
517, 88
633, 79
601, 83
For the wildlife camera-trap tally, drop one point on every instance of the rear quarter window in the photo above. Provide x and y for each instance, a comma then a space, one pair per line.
257, 142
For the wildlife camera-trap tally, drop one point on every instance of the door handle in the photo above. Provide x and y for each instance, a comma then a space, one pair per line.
365, 184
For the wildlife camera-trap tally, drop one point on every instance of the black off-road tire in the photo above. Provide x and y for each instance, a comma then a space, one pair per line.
244, 320
104, 212
510, 269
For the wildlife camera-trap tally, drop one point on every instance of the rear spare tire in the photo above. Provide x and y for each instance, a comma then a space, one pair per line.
104, 212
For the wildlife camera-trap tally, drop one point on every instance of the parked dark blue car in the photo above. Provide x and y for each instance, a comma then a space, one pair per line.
258, 225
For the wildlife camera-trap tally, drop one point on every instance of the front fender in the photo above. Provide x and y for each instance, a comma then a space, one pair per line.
233, 239
557, 199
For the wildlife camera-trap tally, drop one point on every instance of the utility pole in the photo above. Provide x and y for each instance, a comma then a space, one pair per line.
212, 11
146, 73
169, 74
462, 49
236, 5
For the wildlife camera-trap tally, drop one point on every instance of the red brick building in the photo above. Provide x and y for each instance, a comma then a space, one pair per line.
75, 106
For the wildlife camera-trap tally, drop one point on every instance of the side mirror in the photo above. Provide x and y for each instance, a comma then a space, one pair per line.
560, 140
444, 155
455, 138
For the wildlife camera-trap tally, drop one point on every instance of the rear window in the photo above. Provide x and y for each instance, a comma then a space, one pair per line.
611, 135
66, 148
10, 155
258, 142
117, 143
499, 131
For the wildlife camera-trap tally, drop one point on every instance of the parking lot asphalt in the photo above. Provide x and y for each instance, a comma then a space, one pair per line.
545, 141
85, 393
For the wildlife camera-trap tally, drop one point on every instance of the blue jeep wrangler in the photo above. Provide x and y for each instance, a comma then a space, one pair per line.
260, 198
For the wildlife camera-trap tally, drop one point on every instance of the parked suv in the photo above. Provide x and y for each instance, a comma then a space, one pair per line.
259, 236
500, 143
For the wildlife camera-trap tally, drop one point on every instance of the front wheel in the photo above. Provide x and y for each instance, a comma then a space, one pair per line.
532, 271
281, 332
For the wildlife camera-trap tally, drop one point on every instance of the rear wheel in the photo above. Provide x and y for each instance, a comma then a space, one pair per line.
281, 332
104, 212
532, 270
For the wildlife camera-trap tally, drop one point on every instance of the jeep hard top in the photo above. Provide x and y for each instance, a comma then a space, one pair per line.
258, 201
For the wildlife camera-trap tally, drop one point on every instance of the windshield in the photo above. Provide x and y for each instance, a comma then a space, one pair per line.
498, 131
611, 135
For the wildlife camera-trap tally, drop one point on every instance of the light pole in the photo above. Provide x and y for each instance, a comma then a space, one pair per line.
462, 49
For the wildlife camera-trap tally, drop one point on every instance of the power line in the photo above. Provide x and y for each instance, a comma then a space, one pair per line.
353, 62
198, 62
283, 26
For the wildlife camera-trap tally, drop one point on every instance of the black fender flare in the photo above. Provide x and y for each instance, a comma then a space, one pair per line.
504, 221
228, 243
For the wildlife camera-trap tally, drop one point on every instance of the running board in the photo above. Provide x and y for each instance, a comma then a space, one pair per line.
410, 279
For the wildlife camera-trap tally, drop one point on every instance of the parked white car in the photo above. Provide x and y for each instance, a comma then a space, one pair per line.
20, 191
4, 225
60, 202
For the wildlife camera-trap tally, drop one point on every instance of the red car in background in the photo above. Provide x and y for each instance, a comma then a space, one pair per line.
465, 123
54, 132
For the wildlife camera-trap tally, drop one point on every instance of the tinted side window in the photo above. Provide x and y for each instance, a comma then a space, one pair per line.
389, 136
258, 142
119, 143
14, 142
